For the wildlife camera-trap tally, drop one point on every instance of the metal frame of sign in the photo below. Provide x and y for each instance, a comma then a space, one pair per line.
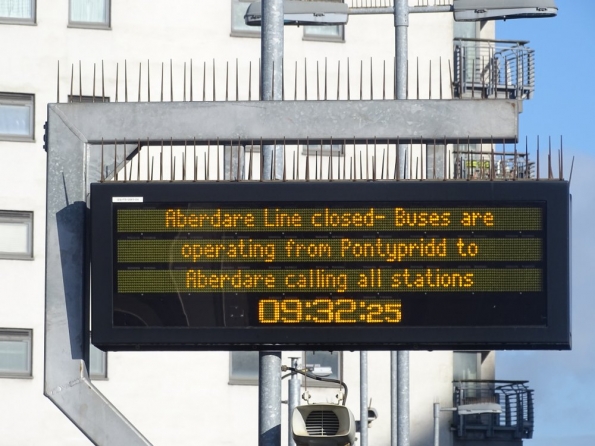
552, 333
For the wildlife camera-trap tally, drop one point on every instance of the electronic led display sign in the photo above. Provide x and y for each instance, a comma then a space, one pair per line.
341, 265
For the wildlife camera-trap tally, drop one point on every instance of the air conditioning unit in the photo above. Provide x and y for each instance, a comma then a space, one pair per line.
323, 425
303, 13
477, 10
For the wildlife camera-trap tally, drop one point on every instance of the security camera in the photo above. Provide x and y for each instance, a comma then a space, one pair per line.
323, 425
477, 10
372, 415
303, 13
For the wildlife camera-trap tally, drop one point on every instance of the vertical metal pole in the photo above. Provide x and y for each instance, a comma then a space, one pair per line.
363, 398
271, 88
393, 398
271, 56
269, 399
401, 47
401, 11
403, 398
400, 360
436, 424
293, 399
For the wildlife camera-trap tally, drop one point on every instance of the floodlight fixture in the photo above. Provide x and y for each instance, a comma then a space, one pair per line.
323, 425
479, 408
303, 13
478, 10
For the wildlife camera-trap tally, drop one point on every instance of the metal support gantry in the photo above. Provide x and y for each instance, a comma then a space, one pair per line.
75, 136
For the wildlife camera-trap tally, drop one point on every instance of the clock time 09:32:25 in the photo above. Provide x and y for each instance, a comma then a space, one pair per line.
329, 311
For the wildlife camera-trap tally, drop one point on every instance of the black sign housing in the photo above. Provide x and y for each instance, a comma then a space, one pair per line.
339, 266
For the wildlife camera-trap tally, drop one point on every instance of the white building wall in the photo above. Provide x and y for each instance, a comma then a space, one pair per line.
185, 398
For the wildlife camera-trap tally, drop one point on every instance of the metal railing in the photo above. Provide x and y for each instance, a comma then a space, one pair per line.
515, 421
486, 68
471, 162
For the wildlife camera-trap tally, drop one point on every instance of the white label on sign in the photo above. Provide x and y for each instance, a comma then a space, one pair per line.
127, 199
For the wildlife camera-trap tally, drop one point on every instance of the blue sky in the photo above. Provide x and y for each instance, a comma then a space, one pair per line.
564, 382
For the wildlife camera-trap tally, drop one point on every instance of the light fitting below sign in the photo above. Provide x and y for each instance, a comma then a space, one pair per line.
303, 13
479, 10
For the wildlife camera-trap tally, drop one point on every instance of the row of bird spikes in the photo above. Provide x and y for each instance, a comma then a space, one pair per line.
439, 86
340, 160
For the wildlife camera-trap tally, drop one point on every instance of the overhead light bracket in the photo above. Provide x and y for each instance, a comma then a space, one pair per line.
303, 13
479, 10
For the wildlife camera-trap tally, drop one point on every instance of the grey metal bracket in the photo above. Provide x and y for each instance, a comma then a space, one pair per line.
405, 121
75, 133
66, 380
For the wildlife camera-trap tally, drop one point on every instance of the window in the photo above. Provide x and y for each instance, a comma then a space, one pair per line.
323, 364
16, 116
15, 353
243, 368
89, 13
17, 11
97, 363
88, 99
330, 33
466, 365
469, 30
466, 30
16, 235
335, 150
238, 26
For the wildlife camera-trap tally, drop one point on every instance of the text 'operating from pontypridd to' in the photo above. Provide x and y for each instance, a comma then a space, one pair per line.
345, 249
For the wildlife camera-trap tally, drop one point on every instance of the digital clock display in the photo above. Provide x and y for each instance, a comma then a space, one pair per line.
277, 257
325, 311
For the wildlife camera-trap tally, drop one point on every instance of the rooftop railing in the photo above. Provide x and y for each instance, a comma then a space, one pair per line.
486, 69
514, 422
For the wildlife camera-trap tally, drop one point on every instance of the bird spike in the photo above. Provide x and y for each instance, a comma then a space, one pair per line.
71, 98
102, 178
102, 83
80, 83
138, 160
191, 82
561, 160
307, 159
117, 74
125, 160
125, 81
162, 79
218, 160
58, 84
250, 161
93, 94
171, 81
